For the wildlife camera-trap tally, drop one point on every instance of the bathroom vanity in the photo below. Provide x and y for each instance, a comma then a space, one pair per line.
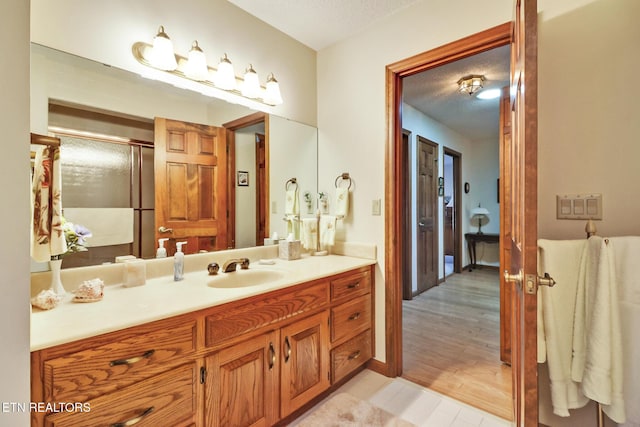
223, 353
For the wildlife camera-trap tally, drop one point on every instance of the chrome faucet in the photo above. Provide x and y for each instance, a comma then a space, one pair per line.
230, 265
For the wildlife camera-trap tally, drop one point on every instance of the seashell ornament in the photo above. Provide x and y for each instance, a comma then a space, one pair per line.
46, 299
89, 291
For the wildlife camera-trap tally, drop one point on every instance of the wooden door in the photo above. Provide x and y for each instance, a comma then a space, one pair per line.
241, 387
505, 226
190, 185
305, 361
427, 199
520, 173
261, 189
407, 214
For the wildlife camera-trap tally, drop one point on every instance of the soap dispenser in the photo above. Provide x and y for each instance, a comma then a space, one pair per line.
162, 251
178, 262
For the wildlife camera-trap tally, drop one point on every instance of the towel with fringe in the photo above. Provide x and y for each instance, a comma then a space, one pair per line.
342, 201
47, 238
327, 231
556, 307
292, 205
597, 339
309, 238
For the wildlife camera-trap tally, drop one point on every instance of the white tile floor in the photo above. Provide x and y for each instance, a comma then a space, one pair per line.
418, 405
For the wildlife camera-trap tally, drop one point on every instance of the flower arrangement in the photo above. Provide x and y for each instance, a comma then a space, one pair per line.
74, 235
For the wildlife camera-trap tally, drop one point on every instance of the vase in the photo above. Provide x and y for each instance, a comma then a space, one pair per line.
56, 282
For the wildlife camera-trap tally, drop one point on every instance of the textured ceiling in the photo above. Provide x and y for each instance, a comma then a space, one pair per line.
435, 93
321, 23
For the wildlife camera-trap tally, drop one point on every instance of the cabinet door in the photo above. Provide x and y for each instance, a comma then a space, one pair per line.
305, 361
242, 384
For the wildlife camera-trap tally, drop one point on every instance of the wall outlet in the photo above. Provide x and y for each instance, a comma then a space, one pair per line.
376, 207
274, 207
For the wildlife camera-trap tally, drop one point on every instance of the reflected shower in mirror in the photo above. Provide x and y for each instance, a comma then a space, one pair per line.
71, 95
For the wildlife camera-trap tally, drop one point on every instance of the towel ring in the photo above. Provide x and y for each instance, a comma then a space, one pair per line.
289, 183
345, 177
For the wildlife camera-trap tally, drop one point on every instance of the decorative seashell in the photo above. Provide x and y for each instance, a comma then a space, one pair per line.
46, 300
89, 291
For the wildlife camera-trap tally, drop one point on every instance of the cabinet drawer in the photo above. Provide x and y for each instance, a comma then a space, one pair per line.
351, 285
348, 356
351, 318
164, 400
85, 374
236, 320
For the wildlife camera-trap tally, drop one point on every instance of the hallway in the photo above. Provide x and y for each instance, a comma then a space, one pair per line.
451, 342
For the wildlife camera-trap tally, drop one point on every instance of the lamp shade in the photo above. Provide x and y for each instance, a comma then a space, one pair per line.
251, 84
162, 55
225, 77
196, 67
479, 217
272, 94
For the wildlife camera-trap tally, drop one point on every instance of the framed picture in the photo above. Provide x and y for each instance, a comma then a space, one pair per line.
243, 179
441, 191
441, 181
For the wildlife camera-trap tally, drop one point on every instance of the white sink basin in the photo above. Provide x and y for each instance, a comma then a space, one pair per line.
244, 278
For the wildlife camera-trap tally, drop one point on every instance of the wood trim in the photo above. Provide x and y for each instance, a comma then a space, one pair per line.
231, 189
245, 121
45, 140
394, 207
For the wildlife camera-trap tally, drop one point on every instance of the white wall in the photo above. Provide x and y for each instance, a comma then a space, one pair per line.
106, 31
14, 211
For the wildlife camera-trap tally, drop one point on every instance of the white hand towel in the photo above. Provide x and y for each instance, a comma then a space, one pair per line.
597, 341
109, 226
342, 201
309, 238
292, 206
561, 259
47, 238
327, 231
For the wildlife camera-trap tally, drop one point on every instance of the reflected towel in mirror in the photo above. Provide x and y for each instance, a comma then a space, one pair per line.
342, 201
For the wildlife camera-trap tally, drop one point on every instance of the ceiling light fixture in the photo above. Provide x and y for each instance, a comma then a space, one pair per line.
193, 73
470, 84
489, 94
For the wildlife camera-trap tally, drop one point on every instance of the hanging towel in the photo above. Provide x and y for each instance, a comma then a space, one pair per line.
597, 340
627, 253
291, 206
327, 231
47, 235
293, 226
309, 238
561, 259
342, 202
109, 226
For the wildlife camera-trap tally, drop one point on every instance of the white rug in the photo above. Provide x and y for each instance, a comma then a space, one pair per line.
345, 410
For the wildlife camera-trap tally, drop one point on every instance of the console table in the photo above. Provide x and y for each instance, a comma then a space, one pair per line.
472, 239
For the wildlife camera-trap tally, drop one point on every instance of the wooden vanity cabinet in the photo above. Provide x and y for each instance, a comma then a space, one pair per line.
250, 362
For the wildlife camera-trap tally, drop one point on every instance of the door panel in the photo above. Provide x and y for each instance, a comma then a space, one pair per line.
191, 184
505, 226
427, 235
521, 172
261, 189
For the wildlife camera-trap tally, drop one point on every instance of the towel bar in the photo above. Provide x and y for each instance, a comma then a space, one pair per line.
345, 177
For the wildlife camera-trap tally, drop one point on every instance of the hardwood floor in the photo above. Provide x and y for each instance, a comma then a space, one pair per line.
451, 342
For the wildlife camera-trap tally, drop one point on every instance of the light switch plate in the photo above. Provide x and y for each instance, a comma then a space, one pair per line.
375, 207
579, 206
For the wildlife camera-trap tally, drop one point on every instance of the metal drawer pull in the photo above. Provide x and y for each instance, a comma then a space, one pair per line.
135, 420
354, 355
353, 285
287, 353
355, 316
272, 360
132, 360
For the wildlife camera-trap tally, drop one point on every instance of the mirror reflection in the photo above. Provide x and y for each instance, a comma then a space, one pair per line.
107, 121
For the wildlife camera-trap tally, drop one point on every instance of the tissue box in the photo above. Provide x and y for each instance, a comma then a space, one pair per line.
289, 250
269, 241
135, 273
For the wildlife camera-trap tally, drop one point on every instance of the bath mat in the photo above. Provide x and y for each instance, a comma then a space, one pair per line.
345, 410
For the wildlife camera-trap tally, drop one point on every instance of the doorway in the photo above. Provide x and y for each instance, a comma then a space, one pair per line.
452, 211
396, 73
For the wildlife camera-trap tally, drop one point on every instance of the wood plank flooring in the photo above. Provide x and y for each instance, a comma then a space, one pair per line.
451, 342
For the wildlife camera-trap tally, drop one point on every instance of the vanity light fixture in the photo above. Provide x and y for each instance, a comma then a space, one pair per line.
196, 66
193, 73
470, 84
162, 55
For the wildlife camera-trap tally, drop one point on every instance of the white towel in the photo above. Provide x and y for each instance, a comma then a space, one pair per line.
47, 237
108, 226
342, 201
291, 206
309, 238
293, 226
327, 231
597, 340
556, 305
627, 254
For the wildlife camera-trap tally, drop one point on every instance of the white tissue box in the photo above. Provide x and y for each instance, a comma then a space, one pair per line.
135, 273
289, 250
269, 241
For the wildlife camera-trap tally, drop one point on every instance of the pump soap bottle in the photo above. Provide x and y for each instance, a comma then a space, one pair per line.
178, 262
162, 251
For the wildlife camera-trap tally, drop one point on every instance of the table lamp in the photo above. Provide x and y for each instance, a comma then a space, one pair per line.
481, 215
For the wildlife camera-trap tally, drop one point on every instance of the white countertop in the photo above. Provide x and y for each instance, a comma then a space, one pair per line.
161, 298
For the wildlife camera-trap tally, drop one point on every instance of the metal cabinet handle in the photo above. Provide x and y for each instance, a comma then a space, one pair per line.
287, 353
163, 229
353, 285
354, 355
272, 359
355, 316
135, 420
132, 360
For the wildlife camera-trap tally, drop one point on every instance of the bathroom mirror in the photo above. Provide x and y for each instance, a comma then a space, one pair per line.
61, 82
